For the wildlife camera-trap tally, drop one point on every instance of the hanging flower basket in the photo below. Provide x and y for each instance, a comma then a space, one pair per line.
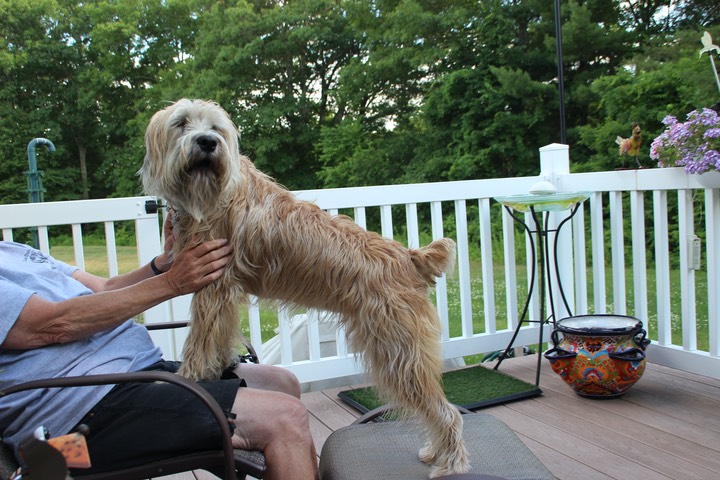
709, 179
693, 145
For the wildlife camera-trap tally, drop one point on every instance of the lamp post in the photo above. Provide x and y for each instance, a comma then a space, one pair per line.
561, 77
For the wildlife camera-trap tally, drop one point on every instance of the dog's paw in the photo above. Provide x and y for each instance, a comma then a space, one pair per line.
427, 454
454, 464
441, 472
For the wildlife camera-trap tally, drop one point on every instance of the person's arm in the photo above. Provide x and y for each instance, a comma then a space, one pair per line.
43, 322
163, 262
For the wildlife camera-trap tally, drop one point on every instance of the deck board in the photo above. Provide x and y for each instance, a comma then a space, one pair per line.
671, 441
666, 427
560, 464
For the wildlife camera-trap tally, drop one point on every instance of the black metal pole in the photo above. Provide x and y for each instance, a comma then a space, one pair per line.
524, 317
542, 257
561, 77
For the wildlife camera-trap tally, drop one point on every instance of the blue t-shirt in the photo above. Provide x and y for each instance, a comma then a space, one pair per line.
24, 272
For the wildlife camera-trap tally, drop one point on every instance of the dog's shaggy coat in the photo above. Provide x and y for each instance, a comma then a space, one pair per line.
293, 252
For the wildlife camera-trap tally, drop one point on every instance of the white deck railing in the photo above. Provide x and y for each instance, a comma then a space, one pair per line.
654, 212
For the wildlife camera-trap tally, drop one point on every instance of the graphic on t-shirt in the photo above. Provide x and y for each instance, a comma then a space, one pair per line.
36, 256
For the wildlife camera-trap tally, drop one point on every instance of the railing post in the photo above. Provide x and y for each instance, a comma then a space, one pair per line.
712, 229
554, 163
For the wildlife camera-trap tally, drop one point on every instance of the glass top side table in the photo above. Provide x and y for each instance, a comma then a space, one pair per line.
539, 205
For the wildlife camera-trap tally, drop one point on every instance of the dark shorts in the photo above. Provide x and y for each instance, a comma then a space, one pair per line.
141, 422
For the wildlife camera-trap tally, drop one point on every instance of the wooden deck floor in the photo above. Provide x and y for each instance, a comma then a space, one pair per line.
666, 427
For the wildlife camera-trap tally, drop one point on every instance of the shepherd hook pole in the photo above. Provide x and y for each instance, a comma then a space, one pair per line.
35, 189
709, 47
34, 181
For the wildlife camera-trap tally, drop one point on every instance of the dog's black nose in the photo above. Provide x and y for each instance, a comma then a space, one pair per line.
206, 143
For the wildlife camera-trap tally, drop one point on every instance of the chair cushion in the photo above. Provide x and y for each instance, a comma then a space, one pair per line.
389, 450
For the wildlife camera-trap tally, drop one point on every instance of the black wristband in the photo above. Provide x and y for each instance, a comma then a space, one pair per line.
154, 267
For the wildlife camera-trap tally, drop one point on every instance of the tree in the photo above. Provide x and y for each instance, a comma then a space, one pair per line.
274, 66
27, 62
653, 89
703, 13
406, 47
78, 73
340, 92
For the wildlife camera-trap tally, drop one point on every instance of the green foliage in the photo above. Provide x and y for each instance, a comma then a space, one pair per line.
340, 93
669, 80
367, 158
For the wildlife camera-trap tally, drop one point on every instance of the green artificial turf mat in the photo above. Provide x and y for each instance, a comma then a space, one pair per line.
473, 388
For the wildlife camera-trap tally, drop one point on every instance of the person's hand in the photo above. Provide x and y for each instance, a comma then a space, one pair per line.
165, 260
198, 265
168, 230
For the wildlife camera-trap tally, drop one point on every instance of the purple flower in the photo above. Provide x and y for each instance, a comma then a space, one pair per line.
693, 144
712, 133
712, 157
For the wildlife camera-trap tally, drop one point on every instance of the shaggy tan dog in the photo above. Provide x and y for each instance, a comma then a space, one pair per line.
293, 252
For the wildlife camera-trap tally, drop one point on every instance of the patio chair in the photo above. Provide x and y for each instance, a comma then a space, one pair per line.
367, 450
226, 463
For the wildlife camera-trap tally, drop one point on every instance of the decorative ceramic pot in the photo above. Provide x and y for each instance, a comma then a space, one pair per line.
599, 356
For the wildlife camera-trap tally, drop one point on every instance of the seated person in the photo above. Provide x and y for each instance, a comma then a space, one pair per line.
58, 321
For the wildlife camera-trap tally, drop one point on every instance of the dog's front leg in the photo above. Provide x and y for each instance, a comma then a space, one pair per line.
214, 331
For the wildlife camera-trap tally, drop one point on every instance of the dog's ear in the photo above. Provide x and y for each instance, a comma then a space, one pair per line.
156, 135
155, 150
233, 136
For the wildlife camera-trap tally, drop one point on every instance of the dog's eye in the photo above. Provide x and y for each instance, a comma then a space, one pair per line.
180, 123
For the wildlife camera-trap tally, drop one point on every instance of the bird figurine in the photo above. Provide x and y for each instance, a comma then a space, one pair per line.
708, 46
630, 147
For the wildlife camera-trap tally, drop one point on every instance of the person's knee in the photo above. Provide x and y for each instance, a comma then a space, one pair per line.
288, 382
282, 380
285, 439
269, 419
295, 420
291, 417
269, 377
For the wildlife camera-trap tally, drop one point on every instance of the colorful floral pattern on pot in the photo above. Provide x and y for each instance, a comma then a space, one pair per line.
599, 356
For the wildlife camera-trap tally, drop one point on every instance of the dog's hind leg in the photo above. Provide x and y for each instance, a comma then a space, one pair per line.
402, 350
444, 449
214, 332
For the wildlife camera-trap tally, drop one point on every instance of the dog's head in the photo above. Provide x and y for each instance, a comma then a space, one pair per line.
192, 156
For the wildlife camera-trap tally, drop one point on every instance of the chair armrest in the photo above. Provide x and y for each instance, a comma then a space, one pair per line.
168, 325
165, 325
145, 376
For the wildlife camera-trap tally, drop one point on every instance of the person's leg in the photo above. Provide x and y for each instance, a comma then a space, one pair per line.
268, 377
137, 423
270, 418
277, 424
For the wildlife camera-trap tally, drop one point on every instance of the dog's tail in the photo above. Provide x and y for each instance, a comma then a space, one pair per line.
434, 259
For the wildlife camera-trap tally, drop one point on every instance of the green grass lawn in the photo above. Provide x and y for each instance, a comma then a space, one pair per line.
96, 258
96, 263
650, 323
